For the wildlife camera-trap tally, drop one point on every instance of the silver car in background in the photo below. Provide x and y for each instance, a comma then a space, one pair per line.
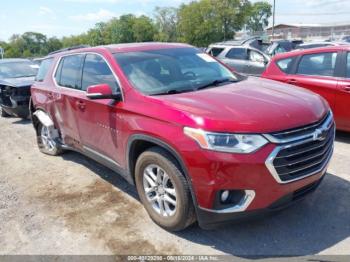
243, 59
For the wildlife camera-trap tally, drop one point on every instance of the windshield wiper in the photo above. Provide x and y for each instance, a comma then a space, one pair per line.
172, 92
216, 83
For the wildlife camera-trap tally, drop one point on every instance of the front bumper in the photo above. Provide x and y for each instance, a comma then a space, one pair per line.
16, 105
301, 163
209, 219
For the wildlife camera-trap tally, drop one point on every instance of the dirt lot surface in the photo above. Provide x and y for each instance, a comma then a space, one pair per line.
72, 205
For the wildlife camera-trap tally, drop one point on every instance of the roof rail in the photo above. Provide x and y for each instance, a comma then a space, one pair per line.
69, 48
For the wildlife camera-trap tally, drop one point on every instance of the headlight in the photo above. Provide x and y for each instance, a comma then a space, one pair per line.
231, 143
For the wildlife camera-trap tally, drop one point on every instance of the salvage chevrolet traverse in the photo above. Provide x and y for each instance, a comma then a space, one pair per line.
200, 142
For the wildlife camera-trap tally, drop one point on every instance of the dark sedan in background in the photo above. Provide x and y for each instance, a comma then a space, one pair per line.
16, 78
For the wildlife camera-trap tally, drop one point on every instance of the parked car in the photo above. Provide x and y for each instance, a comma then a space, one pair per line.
346, 38
325, 71
318, 44
16, 77
200, 142
282, 46
243, 59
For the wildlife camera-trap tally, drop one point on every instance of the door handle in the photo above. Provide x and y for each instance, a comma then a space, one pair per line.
50, 95
292, 81
81, 104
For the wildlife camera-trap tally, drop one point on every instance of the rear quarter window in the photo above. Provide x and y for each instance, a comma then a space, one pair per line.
215, 51
285, 65
43, 69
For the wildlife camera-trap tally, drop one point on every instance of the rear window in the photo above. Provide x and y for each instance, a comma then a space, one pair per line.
44, 68
320, 64
215, 51
285, 64
238, 53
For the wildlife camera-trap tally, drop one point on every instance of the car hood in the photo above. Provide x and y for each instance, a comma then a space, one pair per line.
254, 105
17, 82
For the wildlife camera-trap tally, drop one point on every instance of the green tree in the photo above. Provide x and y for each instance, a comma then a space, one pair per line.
207, 21
34, 43
166, 20
121, 29
53, 44
97, 35
259, 16
143, 29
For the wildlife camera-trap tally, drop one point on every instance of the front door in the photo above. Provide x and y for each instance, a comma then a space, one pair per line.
98, 119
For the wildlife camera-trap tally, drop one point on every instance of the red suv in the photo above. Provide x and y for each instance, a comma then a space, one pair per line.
325, 71
200, 142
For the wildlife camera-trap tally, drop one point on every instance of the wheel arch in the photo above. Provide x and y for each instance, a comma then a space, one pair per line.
139, 143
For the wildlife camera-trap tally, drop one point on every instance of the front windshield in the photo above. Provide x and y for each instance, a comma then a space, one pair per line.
171, 71
17, 69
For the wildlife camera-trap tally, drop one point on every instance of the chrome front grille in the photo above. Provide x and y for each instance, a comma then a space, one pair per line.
301, 152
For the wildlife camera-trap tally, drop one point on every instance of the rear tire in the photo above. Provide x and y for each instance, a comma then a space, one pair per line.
168, 199
3, 113
46, 144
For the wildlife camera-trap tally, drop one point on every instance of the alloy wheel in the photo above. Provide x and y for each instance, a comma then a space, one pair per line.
160, 190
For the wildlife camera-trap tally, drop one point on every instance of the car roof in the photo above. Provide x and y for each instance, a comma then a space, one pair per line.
323, 43
13, 60
312, 51
127, 47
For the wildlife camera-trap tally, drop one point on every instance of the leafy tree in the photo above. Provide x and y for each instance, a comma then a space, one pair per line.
53, 44
166, 20
259, 16
34, 43
97, 35
143, 29
75, 40
208, 21
121, 29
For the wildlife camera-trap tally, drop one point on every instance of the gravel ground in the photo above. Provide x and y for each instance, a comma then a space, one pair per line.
72, 205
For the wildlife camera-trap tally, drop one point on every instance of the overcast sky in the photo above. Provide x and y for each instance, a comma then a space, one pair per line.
66, 17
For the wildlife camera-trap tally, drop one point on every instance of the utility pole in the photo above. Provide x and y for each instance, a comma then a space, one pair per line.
273, 19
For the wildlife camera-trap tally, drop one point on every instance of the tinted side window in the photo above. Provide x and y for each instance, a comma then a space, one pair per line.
238, 53
215, 51
285, 64
70, 71
96, 71
44, 68
348, 66
321, 64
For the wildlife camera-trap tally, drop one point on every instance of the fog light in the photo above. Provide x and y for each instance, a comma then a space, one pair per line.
224, 196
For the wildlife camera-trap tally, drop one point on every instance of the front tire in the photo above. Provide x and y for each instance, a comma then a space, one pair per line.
163, 190
46, 144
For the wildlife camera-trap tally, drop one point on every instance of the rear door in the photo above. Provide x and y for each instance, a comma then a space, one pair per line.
316, 72
98, 120
236, 57
342, 104
68, 80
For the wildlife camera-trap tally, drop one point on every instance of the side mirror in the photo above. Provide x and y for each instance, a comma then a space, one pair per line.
102, 91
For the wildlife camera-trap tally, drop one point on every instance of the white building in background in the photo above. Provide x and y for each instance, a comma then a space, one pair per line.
310, 31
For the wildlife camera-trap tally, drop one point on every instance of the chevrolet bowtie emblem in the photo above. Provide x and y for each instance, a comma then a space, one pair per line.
320, 134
